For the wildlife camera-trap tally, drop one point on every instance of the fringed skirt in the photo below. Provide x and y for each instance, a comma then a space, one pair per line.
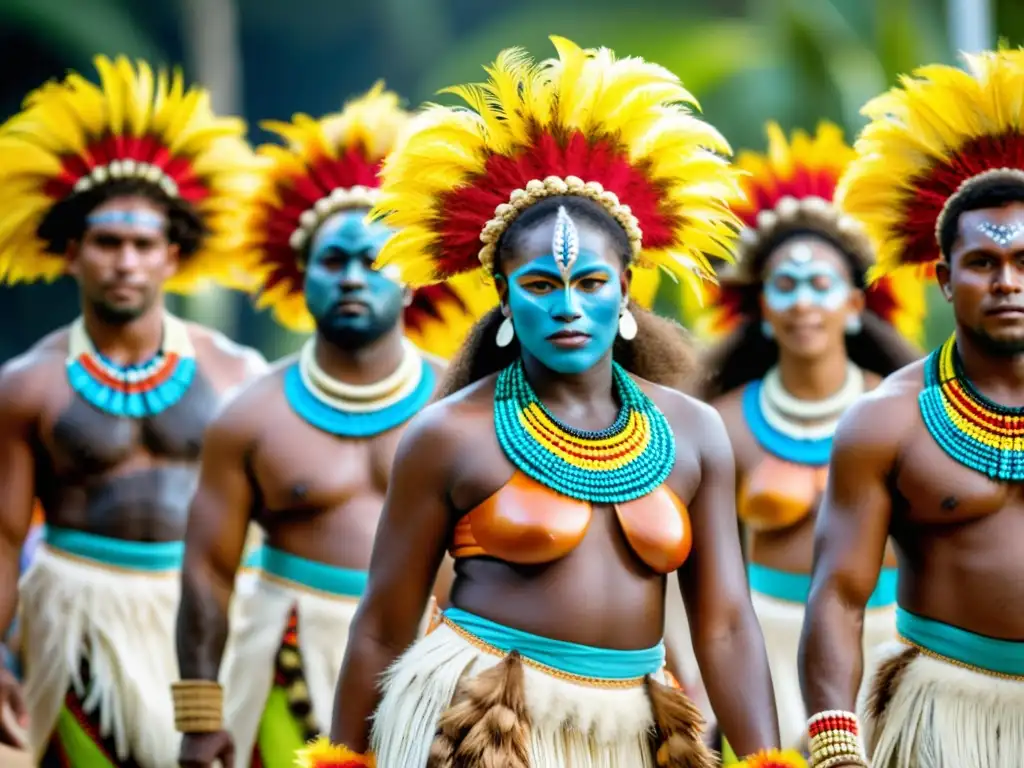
98, 620
945, 698
779, 600
476, 694
290, 620
289, 628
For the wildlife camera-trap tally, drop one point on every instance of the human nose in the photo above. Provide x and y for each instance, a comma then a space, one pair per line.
353, 276
566, 307
1007, 280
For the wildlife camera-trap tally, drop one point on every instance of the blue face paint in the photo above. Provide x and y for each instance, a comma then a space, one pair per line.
141, 219
353, 303
816, 283
544, 302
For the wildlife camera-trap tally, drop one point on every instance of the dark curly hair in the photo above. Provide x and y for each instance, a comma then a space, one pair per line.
66, 221
662, 352
995, 194
746, 354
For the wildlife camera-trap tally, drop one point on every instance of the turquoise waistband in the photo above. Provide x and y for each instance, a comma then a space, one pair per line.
573, 659
796, 587
1005, 657
151, 556
345, 582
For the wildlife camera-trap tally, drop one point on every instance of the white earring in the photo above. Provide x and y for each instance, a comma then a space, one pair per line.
506, 332
627, 325
766, 330
853, 325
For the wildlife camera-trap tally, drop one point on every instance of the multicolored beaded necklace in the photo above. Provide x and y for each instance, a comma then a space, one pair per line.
350, 410
973, 430
132, 391
627, 460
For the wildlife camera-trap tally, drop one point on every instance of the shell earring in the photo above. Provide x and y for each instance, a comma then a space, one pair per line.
627, 325
506, 332
766, 330
853, 325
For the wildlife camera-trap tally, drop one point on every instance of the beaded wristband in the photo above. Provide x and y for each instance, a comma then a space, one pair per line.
835, 739
322, 754
198, 706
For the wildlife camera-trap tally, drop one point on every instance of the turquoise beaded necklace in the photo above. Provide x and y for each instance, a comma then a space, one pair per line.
627, 460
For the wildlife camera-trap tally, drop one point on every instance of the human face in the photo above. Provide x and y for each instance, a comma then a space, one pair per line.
566, 315
124, 258
808, 296
353, 303
984, 277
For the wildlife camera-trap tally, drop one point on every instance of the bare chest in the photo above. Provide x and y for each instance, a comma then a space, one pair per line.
937, 489
85, 441
300, 468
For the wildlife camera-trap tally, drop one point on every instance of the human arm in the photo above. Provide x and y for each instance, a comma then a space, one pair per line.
18, 418
214, 541
850, 538
413, 531
726, 636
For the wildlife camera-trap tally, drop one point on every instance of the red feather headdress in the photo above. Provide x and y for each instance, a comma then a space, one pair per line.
941, 132
792, 187
73, 136
587, 124
323, 167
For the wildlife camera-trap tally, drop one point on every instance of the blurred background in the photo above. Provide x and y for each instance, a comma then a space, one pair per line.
747, 61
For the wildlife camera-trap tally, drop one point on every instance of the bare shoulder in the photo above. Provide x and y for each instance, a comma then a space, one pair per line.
227, 361
444, 428
688, 416
251, 407
880, 419
27, 378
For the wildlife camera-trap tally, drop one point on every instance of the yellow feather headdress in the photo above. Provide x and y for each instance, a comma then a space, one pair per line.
325, 166
616, 131
74, 136
941, 132
792, 188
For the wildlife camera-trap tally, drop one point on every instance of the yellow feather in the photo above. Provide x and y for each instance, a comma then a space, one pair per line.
61, 119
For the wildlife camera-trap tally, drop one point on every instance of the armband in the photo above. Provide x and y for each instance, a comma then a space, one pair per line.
198, 706
835, 739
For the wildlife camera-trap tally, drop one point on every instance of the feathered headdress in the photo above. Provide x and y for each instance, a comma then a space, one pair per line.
941, 132
587, 124
329, 165
791, 188
73, 136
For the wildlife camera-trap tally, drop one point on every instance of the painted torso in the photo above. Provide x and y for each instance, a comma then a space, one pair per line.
124, 477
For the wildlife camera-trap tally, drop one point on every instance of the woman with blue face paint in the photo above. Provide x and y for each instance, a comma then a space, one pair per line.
561, 474
306, 451
807, 339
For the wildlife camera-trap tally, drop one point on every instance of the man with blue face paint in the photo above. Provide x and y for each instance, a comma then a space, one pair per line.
306, 451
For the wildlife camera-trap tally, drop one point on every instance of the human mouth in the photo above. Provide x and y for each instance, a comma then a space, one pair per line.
1008, 311
351, 308
569, 339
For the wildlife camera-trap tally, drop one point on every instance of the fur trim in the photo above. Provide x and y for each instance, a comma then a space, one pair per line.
679, 725
487, 723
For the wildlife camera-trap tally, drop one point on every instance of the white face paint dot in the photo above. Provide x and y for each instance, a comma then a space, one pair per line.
1001, 234
801, 253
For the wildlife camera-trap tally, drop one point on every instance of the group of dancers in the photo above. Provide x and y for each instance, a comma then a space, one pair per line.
496, 513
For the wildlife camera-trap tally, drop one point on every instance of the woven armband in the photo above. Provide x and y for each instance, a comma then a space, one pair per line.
198, 706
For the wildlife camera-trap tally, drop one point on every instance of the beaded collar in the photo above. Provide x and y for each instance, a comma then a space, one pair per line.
132, 391
349, 410
969, 427
629, 459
